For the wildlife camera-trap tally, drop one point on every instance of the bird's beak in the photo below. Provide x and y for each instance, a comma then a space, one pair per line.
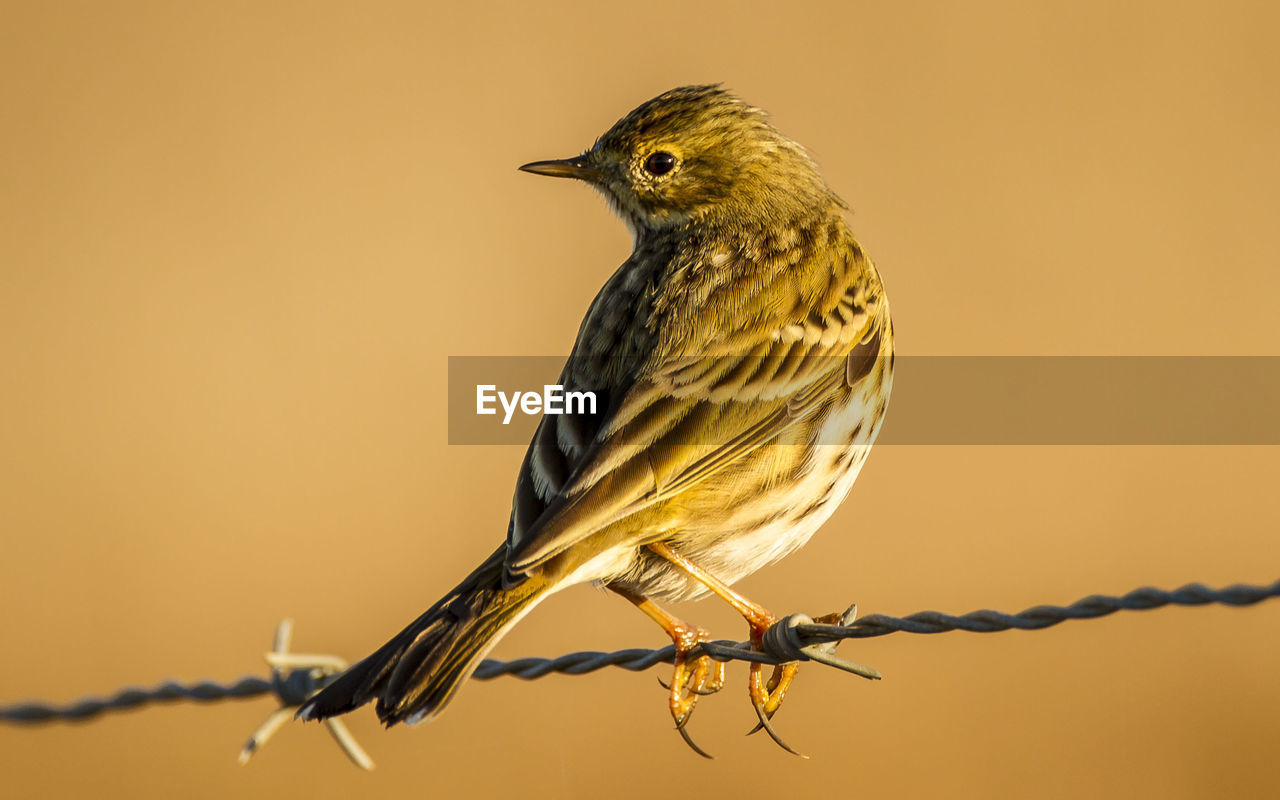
576, 167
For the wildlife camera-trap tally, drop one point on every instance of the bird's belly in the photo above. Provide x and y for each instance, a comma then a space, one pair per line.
752, 526
757, 534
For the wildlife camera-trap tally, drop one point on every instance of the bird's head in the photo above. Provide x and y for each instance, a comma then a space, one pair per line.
691, 154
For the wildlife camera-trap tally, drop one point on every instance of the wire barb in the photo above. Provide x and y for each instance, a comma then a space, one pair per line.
306, 675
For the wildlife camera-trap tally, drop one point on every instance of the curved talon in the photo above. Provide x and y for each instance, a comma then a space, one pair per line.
691, 680
758, 726
766, 699
768, 728
684, 734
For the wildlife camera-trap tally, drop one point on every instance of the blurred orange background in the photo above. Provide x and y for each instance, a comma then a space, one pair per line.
239, 241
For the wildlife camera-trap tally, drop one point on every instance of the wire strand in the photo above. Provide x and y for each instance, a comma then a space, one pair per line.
796, 638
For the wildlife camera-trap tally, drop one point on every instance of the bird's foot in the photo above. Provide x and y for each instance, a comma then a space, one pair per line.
767, 697
692, 678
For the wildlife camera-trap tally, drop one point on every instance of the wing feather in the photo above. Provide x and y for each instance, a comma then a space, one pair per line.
685, 419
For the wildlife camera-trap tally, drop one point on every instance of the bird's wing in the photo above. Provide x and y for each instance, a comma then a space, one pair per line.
683, 420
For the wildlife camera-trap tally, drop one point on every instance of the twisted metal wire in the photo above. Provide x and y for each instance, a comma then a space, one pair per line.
133, 697
792, 638
796, 637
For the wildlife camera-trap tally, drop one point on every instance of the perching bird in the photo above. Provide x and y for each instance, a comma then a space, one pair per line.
743, 359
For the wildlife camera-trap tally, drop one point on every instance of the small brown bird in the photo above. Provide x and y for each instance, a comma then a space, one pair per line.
743, 355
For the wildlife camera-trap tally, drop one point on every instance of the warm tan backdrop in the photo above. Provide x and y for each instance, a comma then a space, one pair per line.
238, 244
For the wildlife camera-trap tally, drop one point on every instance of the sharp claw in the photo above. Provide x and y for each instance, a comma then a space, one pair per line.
691, 679
768, 728
760, 727
684, 734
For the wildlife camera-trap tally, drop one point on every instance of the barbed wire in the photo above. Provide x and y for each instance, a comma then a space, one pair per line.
296, 676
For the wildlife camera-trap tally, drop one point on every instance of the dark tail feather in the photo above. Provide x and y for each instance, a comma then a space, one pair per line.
416, 674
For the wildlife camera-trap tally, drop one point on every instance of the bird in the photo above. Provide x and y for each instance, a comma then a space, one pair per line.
743, 360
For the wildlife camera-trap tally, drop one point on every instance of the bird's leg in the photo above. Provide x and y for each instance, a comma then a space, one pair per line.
688, 681
766, 698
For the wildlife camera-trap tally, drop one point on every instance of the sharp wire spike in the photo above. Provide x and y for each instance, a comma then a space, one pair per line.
264, 732
348, 743
284, 635
318, 666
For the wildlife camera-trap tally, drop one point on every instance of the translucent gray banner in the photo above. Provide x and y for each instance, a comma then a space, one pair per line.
960, 400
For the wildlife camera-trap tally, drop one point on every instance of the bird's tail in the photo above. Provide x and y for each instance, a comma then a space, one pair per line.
417, 673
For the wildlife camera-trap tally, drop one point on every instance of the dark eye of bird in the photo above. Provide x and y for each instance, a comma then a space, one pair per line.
660, 163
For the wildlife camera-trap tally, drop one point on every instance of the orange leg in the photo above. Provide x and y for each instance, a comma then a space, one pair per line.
766, 698
688, 682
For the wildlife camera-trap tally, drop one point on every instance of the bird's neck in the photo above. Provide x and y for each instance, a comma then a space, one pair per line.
736, 230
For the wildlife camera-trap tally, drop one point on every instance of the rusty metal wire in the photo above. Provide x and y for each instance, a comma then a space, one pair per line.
295, 677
